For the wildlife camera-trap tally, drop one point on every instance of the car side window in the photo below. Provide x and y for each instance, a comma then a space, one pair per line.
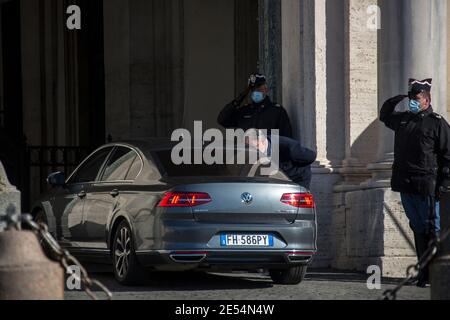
119, 165
89, 170
135, 168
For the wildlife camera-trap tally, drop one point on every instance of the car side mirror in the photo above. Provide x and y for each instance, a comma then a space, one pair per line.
57, 179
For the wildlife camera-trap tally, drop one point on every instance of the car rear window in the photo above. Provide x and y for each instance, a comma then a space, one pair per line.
214, 170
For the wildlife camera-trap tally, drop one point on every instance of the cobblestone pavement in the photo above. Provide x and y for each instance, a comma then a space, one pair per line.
318, 285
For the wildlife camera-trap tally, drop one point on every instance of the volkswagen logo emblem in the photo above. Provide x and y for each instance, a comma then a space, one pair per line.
247, 198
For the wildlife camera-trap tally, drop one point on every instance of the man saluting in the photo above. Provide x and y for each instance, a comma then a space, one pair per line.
253, 109
421, 162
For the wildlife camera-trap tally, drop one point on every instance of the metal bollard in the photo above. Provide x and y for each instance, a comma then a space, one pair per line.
25, 271
440, 267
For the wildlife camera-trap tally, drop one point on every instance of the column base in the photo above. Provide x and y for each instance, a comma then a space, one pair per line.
391, 267
324, 177
354, 173
370, 228
440, 278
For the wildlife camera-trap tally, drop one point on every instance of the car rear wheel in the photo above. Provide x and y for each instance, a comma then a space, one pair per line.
127, 269
291, 276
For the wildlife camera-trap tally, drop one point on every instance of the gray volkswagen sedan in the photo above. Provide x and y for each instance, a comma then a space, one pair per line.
129, 205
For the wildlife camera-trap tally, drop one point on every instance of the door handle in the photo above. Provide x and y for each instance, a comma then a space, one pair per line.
82, 194
114, 193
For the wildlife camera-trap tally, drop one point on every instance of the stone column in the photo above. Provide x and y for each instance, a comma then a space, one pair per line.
390, 83
9, 195
292, 67
425, 46
304, 72
361, 78
304, 90
355, 222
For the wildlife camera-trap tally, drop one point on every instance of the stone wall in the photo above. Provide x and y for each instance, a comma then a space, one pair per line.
371, 229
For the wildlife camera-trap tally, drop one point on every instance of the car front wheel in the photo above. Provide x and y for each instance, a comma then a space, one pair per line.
291, 276
127, 270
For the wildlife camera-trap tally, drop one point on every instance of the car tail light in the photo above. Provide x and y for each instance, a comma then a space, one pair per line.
184, 199
299, 200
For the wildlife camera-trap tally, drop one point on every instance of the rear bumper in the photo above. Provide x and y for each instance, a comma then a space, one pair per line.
188, 244
224, 259
172, 235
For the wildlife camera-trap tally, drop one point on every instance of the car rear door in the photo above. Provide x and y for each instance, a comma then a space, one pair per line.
105, 194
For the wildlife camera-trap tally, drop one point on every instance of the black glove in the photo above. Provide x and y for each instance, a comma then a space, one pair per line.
443, 182
397, 99
440, 191
238, 101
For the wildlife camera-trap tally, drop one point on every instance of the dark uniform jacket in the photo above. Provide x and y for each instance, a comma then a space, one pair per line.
422, 149
265, 115
295, 161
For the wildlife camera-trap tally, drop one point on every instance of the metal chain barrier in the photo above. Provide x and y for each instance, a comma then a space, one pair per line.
62, 256
413, 270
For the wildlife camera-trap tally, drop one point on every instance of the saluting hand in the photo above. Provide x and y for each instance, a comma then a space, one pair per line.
242, 96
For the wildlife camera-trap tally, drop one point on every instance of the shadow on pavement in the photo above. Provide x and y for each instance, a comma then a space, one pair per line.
189, 280
186, 281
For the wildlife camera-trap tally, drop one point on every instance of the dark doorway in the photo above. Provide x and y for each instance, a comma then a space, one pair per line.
85, 72
11, 125
92, 74
246, 41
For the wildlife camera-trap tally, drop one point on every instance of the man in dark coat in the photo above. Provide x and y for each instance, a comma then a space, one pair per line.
294, 160
253, 109
422, 154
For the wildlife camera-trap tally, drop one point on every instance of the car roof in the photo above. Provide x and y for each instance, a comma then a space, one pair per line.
148, 144
153, 144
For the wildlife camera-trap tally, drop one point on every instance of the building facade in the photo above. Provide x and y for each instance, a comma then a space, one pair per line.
141, 68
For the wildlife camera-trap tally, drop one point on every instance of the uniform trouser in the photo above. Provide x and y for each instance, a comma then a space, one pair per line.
418, 210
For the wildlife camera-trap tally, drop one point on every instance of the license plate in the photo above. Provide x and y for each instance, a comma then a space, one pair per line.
246, 240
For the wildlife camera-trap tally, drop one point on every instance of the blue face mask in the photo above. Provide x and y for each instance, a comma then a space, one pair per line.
414, 106
257, 96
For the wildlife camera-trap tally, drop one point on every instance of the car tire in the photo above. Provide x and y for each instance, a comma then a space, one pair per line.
291, 276
127, 269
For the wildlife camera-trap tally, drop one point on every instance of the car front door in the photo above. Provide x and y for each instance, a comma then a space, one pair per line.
69, 205
105, 194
